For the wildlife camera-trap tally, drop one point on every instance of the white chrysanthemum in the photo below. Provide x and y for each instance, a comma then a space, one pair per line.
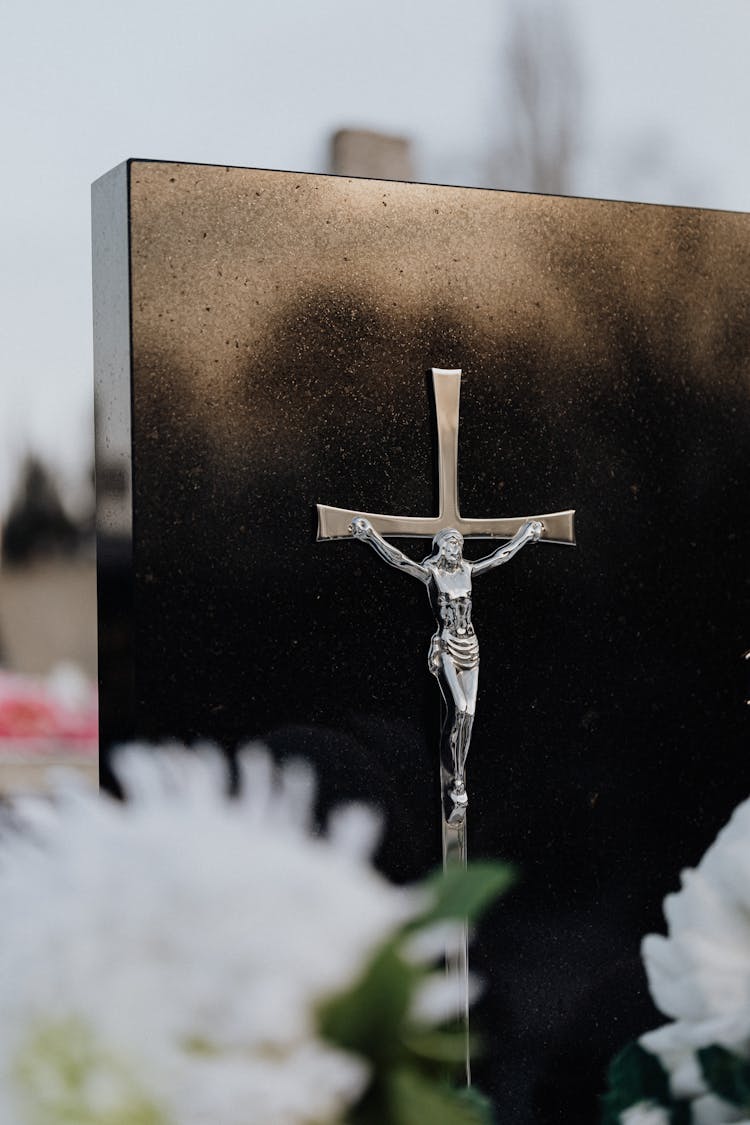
699, 975
174, 948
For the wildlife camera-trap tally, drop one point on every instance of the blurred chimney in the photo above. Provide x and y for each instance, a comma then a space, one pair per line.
377, 156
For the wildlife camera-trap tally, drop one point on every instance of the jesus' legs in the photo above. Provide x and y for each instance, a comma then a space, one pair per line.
459, 690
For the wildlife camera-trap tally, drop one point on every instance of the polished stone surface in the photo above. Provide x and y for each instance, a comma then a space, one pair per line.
282, 330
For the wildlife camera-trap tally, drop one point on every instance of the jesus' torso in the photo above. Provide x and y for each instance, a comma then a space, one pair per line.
450, 598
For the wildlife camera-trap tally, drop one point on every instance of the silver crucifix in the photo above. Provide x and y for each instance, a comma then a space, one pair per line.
454, 650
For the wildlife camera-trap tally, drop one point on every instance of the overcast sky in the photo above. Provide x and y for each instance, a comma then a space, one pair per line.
85, 84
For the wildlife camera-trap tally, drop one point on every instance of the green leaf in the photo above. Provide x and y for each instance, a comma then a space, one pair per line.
466, 892
441, 1046
481, 1104
634, 1076
368, 1018
411, 1065
726, 1074
415, 1100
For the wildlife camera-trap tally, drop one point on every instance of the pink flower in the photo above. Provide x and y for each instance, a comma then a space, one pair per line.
59, 712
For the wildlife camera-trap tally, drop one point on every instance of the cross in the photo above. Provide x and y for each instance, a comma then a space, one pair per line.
454, 657
335, 523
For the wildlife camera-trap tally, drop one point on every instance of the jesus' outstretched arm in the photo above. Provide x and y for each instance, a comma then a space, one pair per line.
529, 533
361, 528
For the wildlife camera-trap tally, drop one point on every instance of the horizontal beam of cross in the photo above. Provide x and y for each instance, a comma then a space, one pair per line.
335, 523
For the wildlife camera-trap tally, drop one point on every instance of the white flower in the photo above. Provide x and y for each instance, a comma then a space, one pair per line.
180, 942
699, 975
645, 1113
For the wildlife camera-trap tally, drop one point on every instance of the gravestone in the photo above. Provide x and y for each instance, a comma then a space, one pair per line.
263, 342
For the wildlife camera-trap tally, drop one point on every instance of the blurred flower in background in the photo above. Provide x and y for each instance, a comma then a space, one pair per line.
56, 713
187, 958
45, 721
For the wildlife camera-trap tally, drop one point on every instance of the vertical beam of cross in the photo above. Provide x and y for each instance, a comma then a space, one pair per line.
446, 386
335, 523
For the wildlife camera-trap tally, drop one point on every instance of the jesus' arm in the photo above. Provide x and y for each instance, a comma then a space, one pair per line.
529, 533
361, 528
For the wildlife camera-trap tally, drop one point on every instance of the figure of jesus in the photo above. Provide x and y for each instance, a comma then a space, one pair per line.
454, 651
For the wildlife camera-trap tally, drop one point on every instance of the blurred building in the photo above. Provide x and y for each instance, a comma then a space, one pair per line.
372, 155
47, 580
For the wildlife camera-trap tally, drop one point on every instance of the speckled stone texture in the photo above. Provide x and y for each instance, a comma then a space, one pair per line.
282, 327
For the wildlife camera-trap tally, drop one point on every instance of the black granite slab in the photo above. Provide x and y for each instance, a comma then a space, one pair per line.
262, 344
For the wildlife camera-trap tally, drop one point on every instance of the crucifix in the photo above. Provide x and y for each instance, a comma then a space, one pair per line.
454, 651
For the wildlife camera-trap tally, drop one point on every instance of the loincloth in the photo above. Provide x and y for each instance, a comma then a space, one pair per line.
463, 651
